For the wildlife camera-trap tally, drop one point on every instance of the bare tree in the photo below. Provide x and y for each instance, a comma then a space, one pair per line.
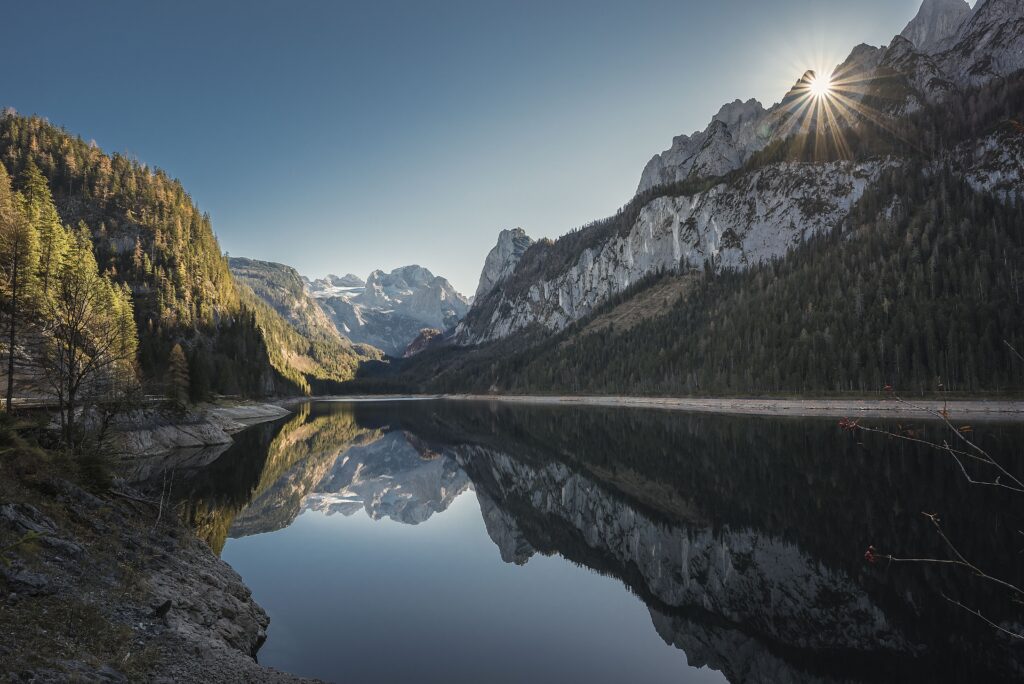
979, 468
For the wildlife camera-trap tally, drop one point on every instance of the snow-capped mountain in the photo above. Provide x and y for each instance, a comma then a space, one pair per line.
712, 200
389, 310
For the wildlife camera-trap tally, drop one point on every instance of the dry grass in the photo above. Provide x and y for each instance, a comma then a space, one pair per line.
646, 305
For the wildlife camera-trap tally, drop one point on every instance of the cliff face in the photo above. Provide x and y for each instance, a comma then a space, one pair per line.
502, 260
756, 218
936, 23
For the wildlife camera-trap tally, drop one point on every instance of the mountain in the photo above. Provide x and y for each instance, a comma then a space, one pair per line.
283, 288
148, 233
390, 309
945, 48
347, 280
936, 23
305, 339
829, 219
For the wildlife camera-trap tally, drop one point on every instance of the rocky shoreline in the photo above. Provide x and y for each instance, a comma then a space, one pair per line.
150, 432
928, 409
803, 408
106, 585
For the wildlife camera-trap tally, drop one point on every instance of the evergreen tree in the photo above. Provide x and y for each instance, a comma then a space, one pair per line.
19, 257
91, 338
42, 216
178, 376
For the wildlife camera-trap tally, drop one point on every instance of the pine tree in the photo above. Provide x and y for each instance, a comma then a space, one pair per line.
92, 341
42, 215
177, 376
19, 257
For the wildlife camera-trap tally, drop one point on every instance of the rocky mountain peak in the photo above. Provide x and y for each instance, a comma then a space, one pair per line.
936, 23
347, 280
737, 131
738, 112
502, 259
863, 59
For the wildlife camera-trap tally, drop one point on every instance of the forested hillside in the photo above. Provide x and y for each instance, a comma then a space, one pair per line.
148, 234
303, 340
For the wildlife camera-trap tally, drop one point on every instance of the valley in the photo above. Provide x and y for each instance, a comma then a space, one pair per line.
762, 423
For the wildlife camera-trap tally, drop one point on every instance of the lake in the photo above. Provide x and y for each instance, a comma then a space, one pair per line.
468, 542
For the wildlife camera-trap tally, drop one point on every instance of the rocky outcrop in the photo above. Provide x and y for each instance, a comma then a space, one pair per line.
736, 132
733, 225
426, 337
502, 260
988, 45
285, 290
143, 434
127, 593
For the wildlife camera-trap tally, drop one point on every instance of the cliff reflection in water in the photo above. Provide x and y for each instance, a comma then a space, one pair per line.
744, 537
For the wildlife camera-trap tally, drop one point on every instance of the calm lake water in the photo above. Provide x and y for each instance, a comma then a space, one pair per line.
475, 542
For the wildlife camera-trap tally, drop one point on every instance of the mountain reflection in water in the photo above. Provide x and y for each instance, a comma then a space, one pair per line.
744, 537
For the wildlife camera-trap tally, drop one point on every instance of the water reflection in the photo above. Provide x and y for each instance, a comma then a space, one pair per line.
742, 536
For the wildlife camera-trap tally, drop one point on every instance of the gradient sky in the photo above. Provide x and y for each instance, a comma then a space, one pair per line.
349, 136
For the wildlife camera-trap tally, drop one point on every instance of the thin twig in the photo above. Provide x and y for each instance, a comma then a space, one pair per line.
983, 455
1015, 352
133, 498
977, 613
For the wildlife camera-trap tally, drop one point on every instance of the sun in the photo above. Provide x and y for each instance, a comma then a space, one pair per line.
820, 86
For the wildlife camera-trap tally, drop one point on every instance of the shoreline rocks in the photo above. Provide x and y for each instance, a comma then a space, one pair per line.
152, 432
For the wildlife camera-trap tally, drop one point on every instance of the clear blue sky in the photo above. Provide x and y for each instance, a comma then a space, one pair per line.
348, 136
